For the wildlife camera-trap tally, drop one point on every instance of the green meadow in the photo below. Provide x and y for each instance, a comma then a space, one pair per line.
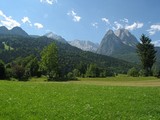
115, 98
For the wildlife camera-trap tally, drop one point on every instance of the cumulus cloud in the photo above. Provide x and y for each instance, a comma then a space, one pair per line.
38, 25
117, 25
154, 28
49, 1
74, 16
8, 21
26, 20
106, 20
135, 25
95, 24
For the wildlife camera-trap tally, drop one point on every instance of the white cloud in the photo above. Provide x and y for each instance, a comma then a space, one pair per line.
125, 20
106, 20
117, 25
38, 25
156, 43
8, 21
135, 25
49, 1
95, 24
153, 29
26, 20
74, 16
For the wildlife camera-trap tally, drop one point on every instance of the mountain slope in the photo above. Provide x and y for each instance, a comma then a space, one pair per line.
120, 44
17, 31
112, 45
84, 45
69, 57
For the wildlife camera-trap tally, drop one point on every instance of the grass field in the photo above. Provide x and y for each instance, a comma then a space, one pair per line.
87, 99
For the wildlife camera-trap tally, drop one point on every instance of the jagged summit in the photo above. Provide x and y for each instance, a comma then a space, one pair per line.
55, 37
85, 45
126, 37
110, 32
118, 42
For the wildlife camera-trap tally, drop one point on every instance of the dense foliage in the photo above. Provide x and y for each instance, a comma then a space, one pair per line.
26, 52
147, 54
2, 70
49, 61
133, 72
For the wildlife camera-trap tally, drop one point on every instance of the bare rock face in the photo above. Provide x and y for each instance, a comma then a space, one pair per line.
118, 42
126, 37
85, 45
55, 37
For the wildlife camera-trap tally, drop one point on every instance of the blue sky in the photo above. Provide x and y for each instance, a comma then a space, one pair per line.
82, 19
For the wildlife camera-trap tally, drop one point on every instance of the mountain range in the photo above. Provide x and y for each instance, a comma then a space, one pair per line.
119, 44
15, 45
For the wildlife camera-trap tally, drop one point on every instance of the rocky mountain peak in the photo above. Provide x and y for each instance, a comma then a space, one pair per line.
85, 45
126, 37
55, 37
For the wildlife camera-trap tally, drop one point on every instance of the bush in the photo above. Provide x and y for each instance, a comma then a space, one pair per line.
156, 72
20, 73
76, 73
143, 73
9, 73
107, 73
2, 70
71, 76
133, 72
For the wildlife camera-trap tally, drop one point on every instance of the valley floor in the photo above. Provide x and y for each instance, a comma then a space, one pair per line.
86, 99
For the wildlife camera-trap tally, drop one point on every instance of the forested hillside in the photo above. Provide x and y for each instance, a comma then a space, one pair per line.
12, 47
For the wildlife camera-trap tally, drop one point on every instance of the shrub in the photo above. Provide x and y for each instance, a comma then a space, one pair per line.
133, 72
20, 73
143, 73
71, 76
2, 70
156, 72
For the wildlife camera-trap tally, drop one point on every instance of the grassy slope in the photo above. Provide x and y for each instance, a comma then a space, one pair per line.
66, 100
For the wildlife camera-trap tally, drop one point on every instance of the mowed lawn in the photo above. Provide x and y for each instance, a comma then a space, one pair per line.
80, 100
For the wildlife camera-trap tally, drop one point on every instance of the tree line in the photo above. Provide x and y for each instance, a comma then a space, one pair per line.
56, 65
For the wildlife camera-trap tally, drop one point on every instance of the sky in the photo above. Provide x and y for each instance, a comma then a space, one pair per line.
82, 19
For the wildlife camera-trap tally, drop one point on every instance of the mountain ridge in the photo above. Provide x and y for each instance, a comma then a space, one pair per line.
85, 45
14, 31
55, 37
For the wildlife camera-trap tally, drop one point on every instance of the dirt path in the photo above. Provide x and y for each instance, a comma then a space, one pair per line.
152, 83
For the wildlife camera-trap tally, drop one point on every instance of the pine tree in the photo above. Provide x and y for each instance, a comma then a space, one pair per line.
147, 54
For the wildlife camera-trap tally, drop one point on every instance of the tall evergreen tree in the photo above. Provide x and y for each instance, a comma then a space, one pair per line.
147, 54
49, 60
